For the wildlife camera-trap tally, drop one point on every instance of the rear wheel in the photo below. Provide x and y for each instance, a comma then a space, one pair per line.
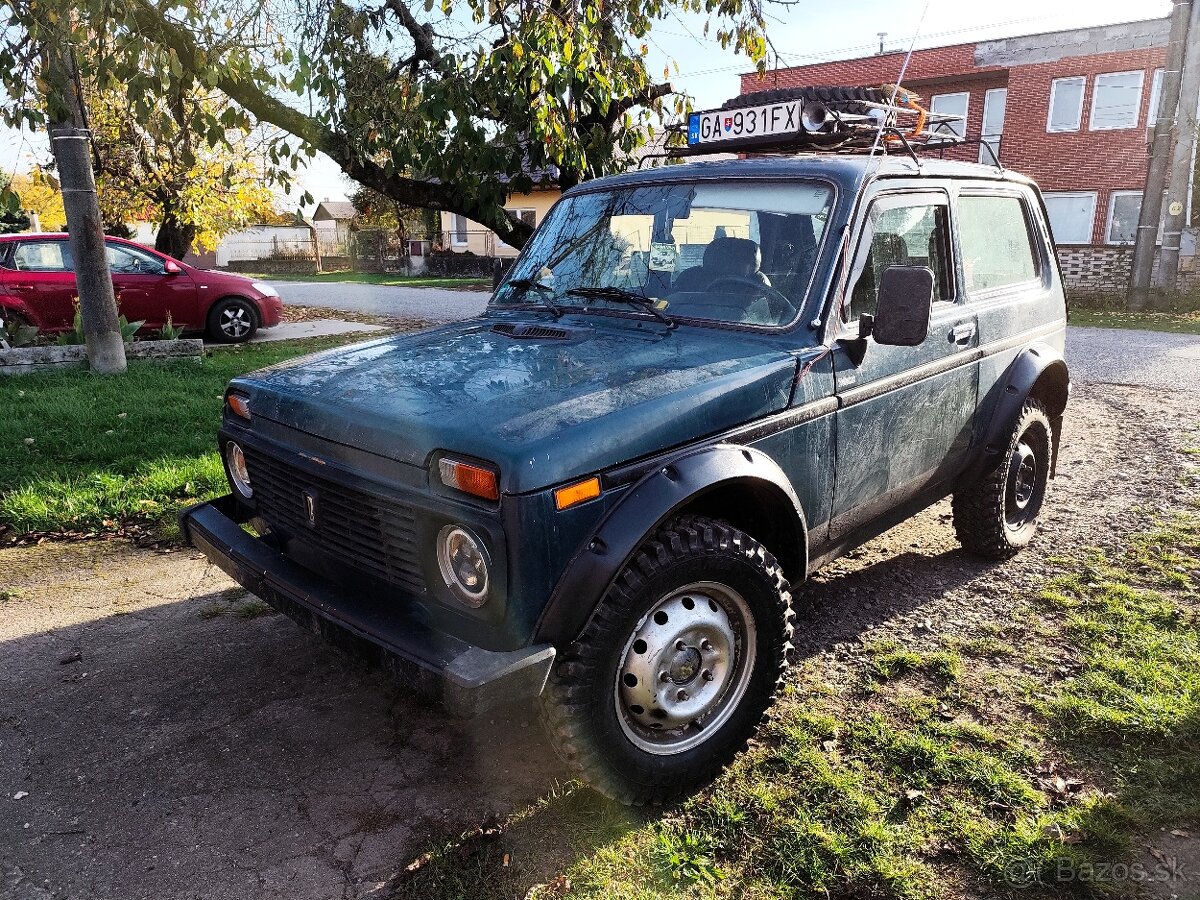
232, 320
674, 671
998, 514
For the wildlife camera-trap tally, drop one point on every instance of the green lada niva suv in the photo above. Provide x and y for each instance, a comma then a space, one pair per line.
696, 384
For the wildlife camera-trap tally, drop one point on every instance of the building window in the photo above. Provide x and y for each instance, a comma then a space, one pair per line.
528, 216
1155, 97
951, 105
993, 124
1116, 100
1072, 215
1123, 210
1066, 104
997, 249
458, 229
1124, 207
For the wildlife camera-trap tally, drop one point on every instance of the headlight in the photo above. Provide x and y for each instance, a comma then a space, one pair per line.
265, 289
463, 561
235, 460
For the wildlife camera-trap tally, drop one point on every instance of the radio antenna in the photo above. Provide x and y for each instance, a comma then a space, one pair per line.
903, 71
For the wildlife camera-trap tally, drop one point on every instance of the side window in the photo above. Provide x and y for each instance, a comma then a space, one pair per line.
997, 249
42, 256
128, 261
910, 231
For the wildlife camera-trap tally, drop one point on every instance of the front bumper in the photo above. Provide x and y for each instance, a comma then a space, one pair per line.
271, 311
467, 679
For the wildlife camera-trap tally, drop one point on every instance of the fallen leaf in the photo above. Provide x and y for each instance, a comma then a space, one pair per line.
20, 795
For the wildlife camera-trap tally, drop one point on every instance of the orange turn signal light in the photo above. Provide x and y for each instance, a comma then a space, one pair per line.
469, 479
588, 489
239, 406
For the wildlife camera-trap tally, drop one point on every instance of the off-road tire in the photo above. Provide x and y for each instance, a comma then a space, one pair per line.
579, 708
984, 510
218, 312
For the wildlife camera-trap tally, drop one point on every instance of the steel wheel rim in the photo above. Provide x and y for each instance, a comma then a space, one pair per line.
235, 321
1023, 474
685, 668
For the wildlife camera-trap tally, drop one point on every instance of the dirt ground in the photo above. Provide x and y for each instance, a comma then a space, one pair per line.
161, 737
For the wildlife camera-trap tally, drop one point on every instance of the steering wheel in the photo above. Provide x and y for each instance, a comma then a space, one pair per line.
774, 297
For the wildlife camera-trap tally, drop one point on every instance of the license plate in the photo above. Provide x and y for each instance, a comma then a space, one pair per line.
719, 125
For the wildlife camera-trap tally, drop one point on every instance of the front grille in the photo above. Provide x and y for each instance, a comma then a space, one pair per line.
374, 535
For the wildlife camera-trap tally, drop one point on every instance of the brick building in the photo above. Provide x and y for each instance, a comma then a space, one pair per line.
1071, 109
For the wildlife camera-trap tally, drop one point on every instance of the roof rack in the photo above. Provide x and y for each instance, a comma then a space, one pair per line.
845, 119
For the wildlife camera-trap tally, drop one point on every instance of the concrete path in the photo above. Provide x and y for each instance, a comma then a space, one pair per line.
1145, 358
290, 331
431, 304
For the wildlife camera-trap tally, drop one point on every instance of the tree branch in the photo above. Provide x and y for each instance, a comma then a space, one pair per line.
338, 146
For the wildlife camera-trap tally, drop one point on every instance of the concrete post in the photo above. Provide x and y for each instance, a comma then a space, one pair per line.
1160, 160
1179, 185
71, 144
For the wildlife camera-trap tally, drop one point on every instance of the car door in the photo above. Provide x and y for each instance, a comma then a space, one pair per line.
44, 278
906, 414
146, 291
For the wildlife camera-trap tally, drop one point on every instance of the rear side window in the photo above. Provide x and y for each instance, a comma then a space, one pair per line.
994, 239
42, 256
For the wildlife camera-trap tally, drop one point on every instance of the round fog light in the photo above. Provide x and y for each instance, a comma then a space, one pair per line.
238, 473
463, 562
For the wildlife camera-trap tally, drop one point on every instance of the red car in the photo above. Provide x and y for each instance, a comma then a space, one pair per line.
37, 284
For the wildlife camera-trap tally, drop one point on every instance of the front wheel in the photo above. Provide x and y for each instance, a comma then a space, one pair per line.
675, 669
997, 515
232, 320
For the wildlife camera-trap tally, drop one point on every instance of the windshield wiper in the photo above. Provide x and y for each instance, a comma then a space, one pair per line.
543, 291
620, 295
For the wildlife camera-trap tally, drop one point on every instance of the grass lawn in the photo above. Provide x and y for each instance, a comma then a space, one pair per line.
82, 452
480, 284
1015, 763
1181, 314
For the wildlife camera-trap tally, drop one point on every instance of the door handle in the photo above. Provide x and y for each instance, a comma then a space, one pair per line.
22, 287
962, 334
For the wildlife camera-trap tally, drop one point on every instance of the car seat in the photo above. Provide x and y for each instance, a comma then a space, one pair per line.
724, 257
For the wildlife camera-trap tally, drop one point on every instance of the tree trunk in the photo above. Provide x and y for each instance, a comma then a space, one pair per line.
174, 238
70, 142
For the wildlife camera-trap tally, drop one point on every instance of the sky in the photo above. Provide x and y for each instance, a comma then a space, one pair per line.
809, 31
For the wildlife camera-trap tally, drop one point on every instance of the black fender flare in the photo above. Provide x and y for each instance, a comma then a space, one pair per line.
1039, 370
660, 494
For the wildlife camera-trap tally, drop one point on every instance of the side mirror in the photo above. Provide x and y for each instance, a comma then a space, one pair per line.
902, 309
172, 267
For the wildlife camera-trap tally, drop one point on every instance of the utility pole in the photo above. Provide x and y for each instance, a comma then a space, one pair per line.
1160, 159
1180, 183
70, 141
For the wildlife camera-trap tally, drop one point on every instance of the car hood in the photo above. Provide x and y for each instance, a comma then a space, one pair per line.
543, 409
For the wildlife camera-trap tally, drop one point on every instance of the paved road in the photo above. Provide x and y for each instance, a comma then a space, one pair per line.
431, 304
1099, 355
1148, 358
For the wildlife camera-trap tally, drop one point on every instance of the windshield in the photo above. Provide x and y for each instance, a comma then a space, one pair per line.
738, 252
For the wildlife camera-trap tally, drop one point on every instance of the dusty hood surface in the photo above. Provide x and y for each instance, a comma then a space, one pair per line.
544, 410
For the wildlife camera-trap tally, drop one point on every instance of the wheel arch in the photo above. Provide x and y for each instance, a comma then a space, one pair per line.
1039, 372
738, 484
